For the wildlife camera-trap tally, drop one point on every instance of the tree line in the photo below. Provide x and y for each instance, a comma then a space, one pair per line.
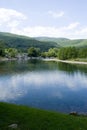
72, 53
61, 53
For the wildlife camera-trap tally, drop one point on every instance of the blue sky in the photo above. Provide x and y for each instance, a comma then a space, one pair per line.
52, 18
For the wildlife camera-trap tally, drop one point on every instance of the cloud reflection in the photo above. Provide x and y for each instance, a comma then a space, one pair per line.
14, 86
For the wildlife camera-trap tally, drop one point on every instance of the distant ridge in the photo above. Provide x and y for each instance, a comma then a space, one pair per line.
23, 42
65, 42
44, 43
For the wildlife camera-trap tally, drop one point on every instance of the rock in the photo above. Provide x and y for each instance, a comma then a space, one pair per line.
73, 113
14, 126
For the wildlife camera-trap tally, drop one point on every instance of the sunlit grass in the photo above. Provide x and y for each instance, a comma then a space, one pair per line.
35, 119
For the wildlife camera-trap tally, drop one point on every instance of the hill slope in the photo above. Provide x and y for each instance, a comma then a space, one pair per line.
23, 42
44, 43
64, 42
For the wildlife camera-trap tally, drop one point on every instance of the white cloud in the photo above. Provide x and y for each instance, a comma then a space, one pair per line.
12, 21
38, 31
56, 14
66, 31
73, 25
13, 24
10, 17
83, 30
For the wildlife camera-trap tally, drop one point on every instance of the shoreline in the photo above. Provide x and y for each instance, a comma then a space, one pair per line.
66, 61
45, 59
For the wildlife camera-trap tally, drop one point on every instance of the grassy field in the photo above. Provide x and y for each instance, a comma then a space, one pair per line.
35, 119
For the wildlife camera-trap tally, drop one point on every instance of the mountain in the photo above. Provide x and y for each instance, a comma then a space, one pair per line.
8, 40
64, 42
52, 39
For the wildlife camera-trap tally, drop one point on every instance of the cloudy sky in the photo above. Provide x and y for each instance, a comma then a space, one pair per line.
53, 18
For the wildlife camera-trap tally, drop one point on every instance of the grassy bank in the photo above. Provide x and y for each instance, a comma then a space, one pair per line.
34, 119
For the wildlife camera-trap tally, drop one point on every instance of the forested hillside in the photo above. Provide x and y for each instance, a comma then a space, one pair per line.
8, 40
19, 42
64, 42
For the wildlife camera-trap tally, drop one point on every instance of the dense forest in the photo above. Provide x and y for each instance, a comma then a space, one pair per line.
8, 40
62, 53
12, 45
64, 42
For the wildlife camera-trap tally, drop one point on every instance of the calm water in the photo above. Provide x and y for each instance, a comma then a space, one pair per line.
47, 85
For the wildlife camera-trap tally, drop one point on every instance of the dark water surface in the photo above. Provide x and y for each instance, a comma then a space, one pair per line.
47, 85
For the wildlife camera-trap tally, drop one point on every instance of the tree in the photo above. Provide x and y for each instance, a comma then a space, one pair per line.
11, 52
67, 53
52, 52
82, 53
33, 52
2, 46
62, 54
2, 53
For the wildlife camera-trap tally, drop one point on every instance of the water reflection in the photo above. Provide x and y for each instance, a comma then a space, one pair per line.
44, 85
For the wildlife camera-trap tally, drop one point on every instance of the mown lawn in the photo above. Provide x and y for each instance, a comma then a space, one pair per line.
35, 119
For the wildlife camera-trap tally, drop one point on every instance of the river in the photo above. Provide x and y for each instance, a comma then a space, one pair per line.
46, 85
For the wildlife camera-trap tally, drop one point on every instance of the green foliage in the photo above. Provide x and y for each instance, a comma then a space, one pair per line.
48, 46
67, 53
33, 52
82, 53
52, 52
2, 53
11, 52
34, 119
44, 43
2, 46
72, 53
23, 43
59, 41
64, 42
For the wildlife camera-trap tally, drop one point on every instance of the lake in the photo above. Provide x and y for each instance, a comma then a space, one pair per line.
46, 85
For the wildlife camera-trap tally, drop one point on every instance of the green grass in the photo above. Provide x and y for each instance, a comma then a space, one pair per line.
35, 119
